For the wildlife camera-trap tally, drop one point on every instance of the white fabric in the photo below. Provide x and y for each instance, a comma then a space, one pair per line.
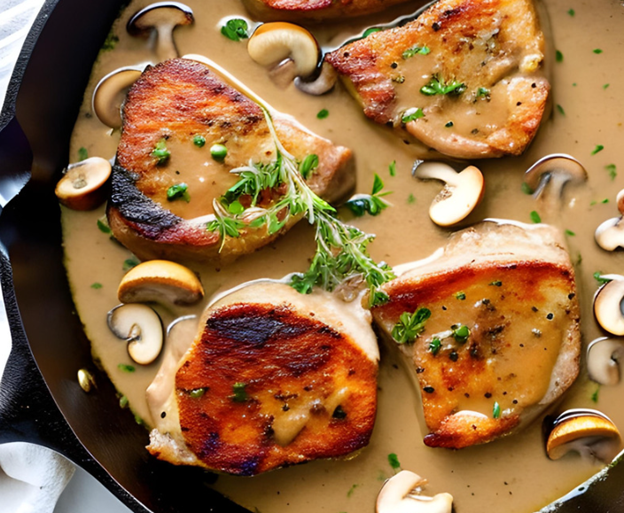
32, 478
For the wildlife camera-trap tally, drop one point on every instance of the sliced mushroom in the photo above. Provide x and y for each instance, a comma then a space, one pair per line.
608, 304
401, 494
82, 185
603, 360
273, 43
461, 194
161, 18
141, 327
110, 93
160, 281
590, 433
550, 174
610, 234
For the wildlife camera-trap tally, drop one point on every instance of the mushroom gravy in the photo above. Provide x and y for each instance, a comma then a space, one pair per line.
509, 474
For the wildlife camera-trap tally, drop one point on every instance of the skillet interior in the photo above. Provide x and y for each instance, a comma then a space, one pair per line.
46, 106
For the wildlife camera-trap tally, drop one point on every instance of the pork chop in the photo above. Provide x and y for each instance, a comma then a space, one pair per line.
466, 78
166, 177
502, 339
315, 10
273, 378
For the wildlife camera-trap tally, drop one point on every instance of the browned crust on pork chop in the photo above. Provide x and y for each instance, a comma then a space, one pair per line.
494, 47
315, 10
286, 361
524, 345
173, 102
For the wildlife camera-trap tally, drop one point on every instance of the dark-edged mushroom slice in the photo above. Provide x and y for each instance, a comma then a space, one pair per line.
610, 234
110, 93
603, 360
589, 432
161, 18
141, 327
82, 184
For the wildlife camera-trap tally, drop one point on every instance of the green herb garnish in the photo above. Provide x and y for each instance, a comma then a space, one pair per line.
308, 165
129, 263
199, 141
594, 396
570, 233
416, 50
370, 31
558, 56
412, 115
612, 169
601, 279
161, 152
102, 225
437, 86
410, 326
371, 203
240, 392
597, 51
597, 149
460, 295
341, 250
392, 168
110, 42
123, 401
83, 154
393, 459
178, 191
526, 188
411, 199
322, 114
483, 92
560, 109
535, 217
235, 29
435, 345
96, 285
126, 368
571, 12
197, 393
496, 411
461, 332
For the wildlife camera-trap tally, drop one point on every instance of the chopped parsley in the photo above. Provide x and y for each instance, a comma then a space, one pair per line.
597, 51
526, 188
370, 31
161, 152
571, 12
126, 368
612, 169
129, 263
199, 141
416, 50
606, 86
411, 199
560, 109
461, 332
410, 326
437, 86
240, 392
96, 285
197, 393
102, 224
597, 149
601, 279
435, 345
352, 489
570, 233
393, 459
372, 203
178, 191
392, 168
322, 114
594, 396
412, 115
83, 154
535, 217
496, 410
235, 29
558, 56
461, 296
483, 92
110, 42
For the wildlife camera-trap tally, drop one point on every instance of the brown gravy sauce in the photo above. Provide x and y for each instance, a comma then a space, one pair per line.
508, 475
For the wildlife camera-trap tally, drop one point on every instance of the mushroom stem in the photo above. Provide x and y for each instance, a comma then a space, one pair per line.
322, 84
165, 45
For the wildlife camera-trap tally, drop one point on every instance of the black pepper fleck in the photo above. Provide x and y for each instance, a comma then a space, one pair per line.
429, 390
394, 65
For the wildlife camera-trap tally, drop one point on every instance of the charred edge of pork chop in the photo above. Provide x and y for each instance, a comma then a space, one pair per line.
315, 10
287, 362
515, 297
368, 68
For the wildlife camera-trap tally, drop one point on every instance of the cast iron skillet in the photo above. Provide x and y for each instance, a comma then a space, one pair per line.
40, 400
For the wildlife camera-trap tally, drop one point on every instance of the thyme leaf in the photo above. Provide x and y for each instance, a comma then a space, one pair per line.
410, 326
438, 86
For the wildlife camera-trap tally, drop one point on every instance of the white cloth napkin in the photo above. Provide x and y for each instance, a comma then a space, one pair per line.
31, 478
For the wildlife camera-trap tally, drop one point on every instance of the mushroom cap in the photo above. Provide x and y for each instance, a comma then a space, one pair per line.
170, 14
603, 356
271, 43
160, 281
558, 168
109, 94
462, 193
610, 234
82, 185
588, 432
396, 496
608, 305
141, 327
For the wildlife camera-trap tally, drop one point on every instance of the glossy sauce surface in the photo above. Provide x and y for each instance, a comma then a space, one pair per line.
507, 475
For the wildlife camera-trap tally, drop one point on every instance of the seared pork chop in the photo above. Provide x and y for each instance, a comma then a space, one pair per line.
273, 378
502, 341
466, 78
166, 178
315, 10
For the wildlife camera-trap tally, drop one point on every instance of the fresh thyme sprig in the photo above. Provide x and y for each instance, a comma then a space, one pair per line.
341, 253
439, 86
